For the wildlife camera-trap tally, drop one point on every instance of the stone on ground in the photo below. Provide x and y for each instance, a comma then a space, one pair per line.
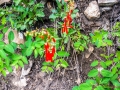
92, 12
107, 2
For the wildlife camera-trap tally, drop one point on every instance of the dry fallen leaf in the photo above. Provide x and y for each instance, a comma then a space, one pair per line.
90, 50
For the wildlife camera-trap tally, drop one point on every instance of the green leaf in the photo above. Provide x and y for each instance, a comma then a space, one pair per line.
1, 27
63, 54
118, 54
35, 53
105, 80
40, 14
1, 44
116, 60
53, 16
24, 59
3, 73
94, 63
29, 51
114, 77
50, 69
106, 73
85, 86
9, 48
9, 68
116, 83
108, 62
7, 61
91, 81
56, 63
3, 20
16, 2
1, 37
102, 63
77, 44
16, 56
20, 63
11, 36
3, 54
14, 63
64, 63
76, 88
99, 88
93, 73
5, 29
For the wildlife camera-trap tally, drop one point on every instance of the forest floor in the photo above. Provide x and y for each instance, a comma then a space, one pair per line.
79, 65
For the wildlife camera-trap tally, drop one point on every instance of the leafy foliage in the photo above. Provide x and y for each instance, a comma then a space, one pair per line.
104, 79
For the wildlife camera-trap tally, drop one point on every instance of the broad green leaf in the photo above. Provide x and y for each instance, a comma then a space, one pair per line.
16, 57
1, 44
20, 63
53, 16
14, 45
91, 81
118, 65
1, 37
50, 69
106, 73
114, 70
105, 80
76, 88
116, 60
99, 88
102, 63
11, 36
93, 73
5, 29
14, 63
1, 27
64, 63
3, 54
24, 59
94, 63
63, 54
9, 48
116, 83
40, 14
108, 62
77, 44
114, 77
85, 86
29, 51
9, 68
56, 62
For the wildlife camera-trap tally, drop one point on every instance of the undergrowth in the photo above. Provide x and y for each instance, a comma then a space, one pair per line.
52, 43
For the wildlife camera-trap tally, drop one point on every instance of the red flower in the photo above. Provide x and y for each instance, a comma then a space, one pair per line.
67, 23
49, 52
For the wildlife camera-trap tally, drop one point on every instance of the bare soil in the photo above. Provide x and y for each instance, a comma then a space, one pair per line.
79, 66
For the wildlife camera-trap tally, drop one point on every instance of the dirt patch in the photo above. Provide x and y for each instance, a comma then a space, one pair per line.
79, 66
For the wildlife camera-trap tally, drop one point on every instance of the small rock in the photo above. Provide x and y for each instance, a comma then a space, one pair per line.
4, 1
107, 2
18, 37
92, 12
90, 50
20, 83
106, 24
104, 9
